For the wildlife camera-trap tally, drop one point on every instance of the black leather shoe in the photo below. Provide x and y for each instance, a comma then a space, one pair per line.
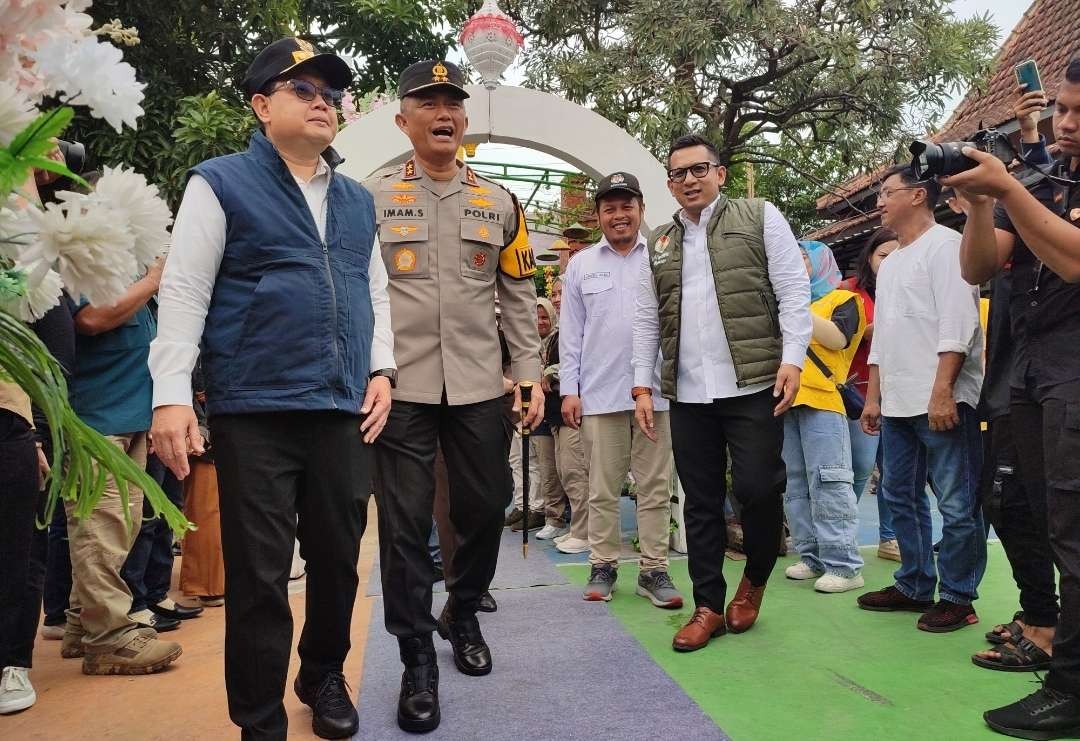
418, 703
159, 623
1046, 714
333, 714
178, 612
471, 653
487, 603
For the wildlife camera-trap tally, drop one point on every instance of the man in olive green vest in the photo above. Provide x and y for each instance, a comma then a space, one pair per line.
724, 296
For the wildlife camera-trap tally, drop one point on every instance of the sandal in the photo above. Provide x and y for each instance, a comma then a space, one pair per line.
1016, 632
1025, 656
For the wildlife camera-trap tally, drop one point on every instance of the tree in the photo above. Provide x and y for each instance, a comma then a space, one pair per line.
773, 82
191, 48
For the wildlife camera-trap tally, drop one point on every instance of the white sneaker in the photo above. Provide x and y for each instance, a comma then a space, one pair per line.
800, 571
561, 538
834, 583
573, 545
52, 632
549, 532
16, 692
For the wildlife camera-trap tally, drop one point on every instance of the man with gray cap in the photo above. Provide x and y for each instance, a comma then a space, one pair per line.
595, 352
449, 238
273, 277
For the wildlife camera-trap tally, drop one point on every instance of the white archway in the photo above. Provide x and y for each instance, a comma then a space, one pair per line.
526, 118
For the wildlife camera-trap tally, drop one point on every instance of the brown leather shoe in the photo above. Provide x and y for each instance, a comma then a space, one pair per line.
703, 625
743, 609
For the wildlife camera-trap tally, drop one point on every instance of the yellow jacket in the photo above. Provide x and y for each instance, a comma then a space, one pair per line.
816, 391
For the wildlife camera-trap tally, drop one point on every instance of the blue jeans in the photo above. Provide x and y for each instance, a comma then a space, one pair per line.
865, 452
952, 459
822, 511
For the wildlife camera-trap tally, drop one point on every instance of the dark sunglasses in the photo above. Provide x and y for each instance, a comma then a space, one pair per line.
698, 170
306, 91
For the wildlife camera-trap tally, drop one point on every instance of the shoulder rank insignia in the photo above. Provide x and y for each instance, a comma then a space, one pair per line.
478, 190
403, 198
409, 173
470, 176
404, 230
481, 202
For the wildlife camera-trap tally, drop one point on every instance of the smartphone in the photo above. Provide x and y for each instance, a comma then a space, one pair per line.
1027, 76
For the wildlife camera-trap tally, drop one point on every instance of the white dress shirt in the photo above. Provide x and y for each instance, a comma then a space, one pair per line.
198, 243
706, 369
924, 307
596, 341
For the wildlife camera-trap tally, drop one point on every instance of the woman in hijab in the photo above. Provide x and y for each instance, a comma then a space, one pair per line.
820, 504
543, 441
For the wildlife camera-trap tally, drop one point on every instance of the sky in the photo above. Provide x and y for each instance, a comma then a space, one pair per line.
1003, 13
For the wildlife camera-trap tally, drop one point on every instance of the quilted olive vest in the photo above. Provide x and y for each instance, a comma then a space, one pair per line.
748, 307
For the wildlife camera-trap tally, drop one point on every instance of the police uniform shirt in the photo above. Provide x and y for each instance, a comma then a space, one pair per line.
448, 246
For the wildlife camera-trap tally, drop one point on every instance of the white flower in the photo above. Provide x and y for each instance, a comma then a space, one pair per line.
83, 242
16, 113
138, 207
39, 298
93, 74
16, 229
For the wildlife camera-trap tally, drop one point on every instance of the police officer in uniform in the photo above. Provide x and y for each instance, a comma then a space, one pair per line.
450, 239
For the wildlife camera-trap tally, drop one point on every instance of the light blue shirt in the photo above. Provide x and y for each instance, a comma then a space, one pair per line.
596, 341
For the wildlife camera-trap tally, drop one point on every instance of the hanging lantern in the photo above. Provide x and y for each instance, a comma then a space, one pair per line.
491, 42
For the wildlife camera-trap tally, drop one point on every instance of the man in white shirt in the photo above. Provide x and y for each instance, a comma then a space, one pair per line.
595, 349
726, 298
925, 378
275, 277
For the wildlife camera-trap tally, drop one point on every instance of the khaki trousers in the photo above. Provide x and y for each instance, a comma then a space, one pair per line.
99, 545
536, 504
613, 446
551, 490
574, 477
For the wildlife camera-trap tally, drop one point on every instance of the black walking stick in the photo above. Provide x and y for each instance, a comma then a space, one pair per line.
526, 399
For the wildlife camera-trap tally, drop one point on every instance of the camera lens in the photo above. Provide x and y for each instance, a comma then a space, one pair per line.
927, 159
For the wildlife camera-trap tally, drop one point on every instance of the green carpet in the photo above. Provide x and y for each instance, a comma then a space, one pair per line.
817, 667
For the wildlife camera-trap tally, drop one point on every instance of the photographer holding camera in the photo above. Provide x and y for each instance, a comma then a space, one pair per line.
1044, 252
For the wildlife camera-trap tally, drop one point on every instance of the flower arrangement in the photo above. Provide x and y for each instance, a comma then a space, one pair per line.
91, 244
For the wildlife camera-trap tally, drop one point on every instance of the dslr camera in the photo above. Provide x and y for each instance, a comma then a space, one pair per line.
929, 159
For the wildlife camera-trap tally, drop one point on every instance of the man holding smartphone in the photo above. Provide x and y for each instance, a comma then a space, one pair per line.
1041, 238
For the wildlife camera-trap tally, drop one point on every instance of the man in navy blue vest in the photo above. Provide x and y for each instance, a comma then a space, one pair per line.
273, 272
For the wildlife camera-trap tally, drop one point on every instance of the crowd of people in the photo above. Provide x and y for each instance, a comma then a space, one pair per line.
311, 340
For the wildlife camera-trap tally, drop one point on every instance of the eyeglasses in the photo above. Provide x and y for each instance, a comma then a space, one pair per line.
306, 91
884, 193
698, 170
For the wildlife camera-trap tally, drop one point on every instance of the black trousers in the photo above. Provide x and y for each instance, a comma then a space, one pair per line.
473, 441
1014, 501
18, 505
149, 566
701, 436
1058, 417
283, 475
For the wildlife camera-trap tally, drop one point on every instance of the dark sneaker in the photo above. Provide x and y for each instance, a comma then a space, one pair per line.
333, 714
891, 599
1046, 714
536, 521
514, 516
945, 617
657, 587
601, 583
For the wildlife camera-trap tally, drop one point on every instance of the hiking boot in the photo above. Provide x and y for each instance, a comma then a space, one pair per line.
657, 587
140, 653
71, 646
514, 516
891, 599
333, 714
16, 692
601, 583
945, 617
889, 550
1045, 714
535, 520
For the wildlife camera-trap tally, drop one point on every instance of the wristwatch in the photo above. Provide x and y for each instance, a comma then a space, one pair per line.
390, 373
